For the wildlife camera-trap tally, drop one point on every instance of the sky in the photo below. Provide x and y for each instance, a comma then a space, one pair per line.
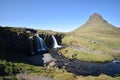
56, 15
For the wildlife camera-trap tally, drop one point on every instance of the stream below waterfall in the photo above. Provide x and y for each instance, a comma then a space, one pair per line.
86, 68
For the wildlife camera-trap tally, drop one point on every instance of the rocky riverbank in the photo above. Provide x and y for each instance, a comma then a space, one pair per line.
76, 66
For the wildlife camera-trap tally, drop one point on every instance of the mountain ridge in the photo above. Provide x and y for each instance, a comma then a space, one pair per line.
98, 24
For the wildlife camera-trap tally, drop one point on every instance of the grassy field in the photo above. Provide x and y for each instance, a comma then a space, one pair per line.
85, 56
21, 71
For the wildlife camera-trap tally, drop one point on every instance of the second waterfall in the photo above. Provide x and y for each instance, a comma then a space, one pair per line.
55, 44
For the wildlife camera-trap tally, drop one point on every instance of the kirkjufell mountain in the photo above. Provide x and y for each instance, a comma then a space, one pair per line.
94, 38
96, 18
96, 23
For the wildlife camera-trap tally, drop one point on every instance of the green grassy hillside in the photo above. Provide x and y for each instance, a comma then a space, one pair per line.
95, 37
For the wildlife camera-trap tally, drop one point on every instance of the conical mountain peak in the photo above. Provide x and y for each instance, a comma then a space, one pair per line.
96, 18
96, 23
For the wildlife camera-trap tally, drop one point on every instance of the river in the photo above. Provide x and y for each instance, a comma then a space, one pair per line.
86, 68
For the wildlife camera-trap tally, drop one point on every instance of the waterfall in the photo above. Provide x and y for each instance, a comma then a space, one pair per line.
31, 44
55, 45
41, 46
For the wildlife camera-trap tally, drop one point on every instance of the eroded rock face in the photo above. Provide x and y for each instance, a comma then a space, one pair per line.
14, 42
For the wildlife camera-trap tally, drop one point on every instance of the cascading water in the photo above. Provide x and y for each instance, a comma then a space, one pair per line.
41, 46
55, 45
31, 44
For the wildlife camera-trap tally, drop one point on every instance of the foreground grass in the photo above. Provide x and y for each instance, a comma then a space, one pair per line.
101, 77
70, 52
39, 73
10, 70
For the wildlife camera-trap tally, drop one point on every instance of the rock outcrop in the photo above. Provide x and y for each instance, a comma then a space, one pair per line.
15, 42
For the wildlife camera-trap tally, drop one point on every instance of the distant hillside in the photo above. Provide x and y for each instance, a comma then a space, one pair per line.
95, 36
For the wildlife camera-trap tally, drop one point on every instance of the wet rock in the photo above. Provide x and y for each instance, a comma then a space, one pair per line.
48, 59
